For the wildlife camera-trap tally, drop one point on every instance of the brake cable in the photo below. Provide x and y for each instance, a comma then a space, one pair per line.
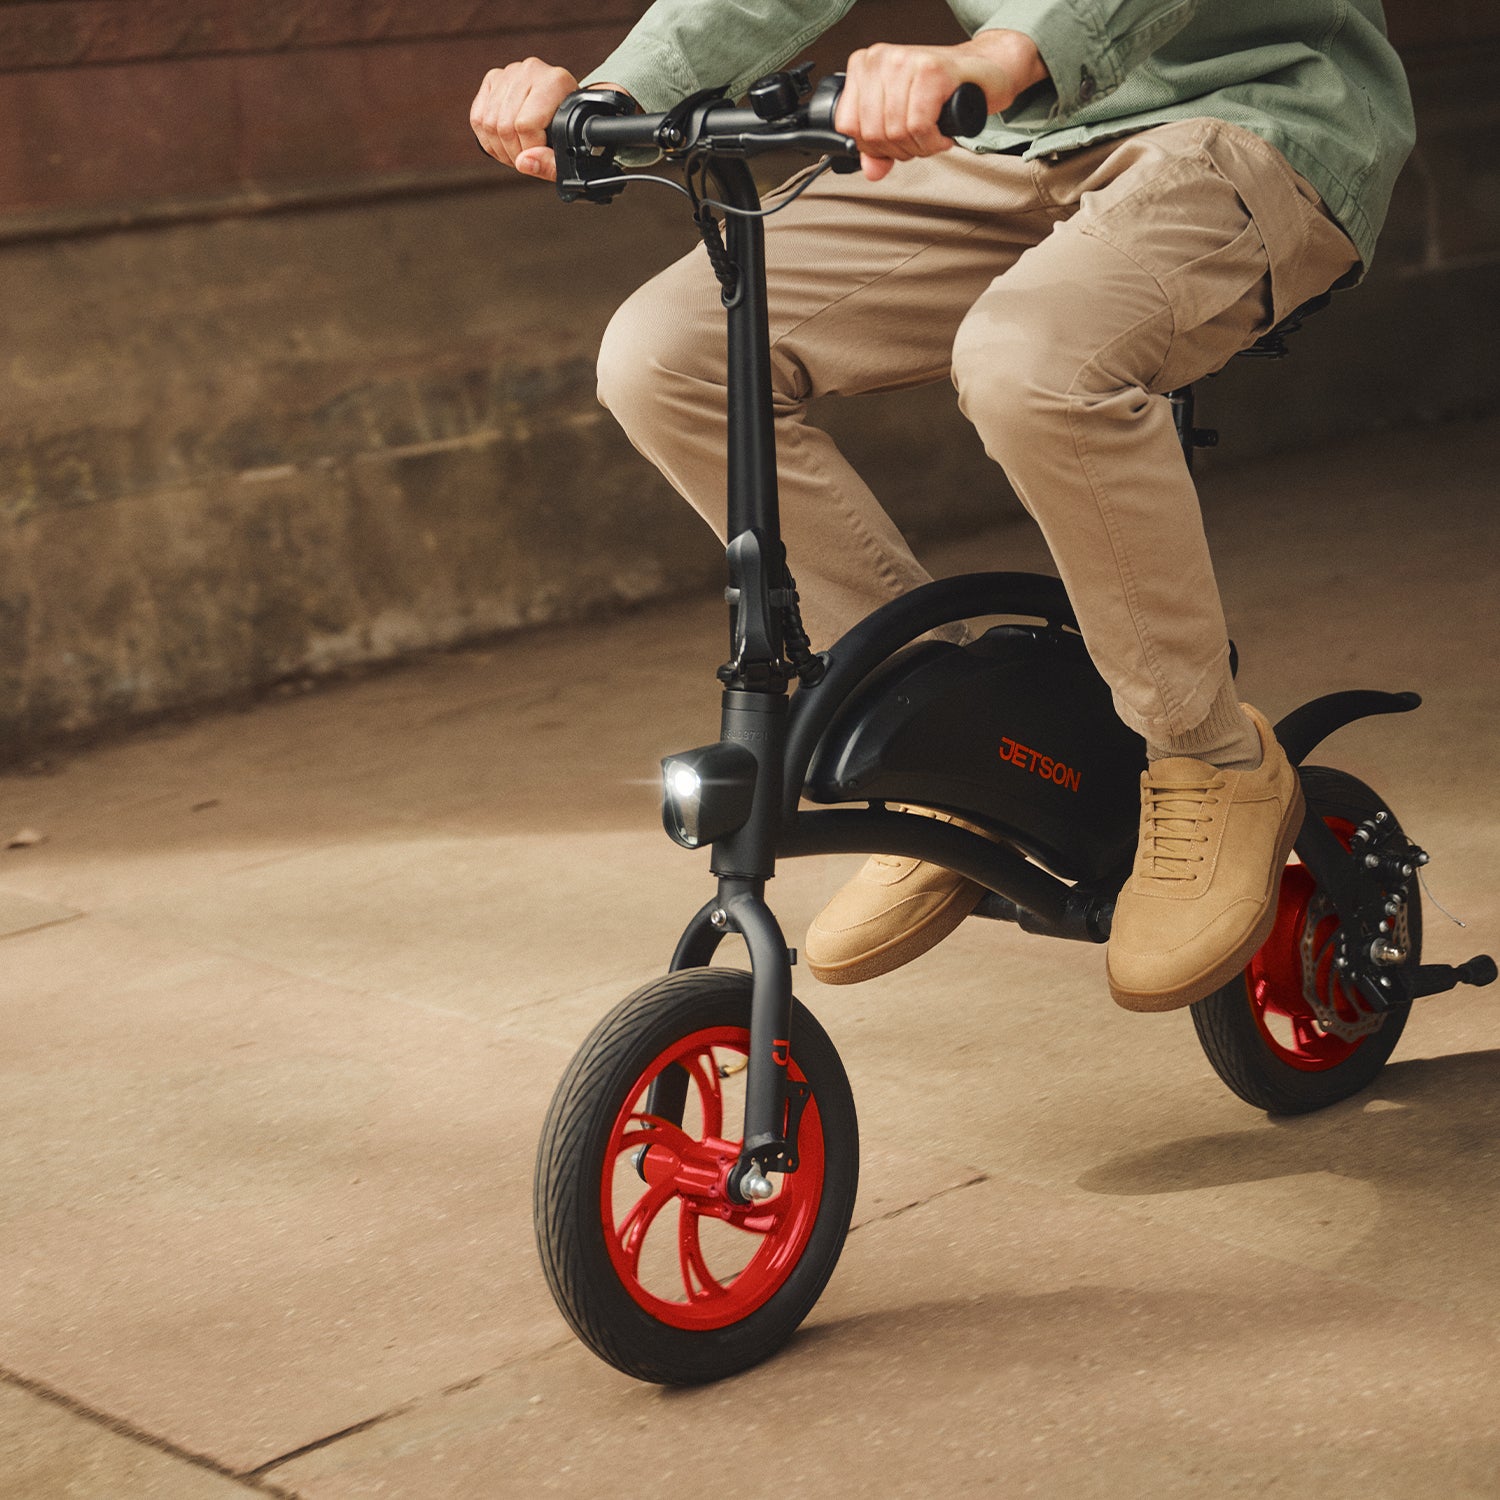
625, 178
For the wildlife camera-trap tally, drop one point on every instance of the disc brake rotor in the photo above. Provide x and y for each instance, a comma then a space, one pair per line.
1344, 1014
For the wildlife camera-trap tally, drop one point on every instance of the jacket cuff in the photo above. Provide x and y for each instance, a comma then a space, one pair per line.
1080, 57
656, 74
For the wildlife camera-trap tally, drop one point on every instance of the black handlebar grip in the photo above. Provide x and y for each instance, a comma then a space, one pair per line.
964, 113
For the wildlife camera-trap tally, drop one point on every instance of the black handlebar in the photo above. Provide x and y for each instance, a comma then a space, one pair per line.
964, 112
591, 125
621, 132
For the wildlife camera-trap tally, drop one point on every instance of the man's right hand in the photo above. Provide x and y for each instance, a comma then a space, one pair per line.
512, 110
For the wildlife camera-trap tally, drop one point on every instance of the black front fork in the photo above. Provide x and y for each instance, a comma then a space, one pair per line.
743, 863
772, 1107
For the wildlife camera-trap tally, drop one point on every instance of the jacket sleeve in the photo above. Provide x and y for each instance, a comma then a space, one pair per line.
681, 46
1088, 45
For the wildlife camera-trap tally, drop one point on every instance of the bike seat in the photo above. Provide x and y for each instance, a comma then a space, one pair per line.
1272, 345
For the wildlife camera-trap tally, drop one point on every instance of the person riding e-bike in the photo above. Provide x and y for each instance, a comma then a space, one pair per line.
1159, 183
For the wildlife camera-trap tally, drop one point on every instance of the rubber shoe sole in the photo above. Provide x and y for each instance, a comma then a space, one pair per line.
912, 943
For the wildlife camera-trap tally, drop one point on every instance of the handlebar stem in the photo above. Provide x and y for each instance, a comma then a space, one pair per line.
753, 505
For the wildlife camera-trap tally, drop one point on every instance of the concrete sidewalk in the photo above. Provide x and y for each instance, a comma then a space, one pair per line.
284, 994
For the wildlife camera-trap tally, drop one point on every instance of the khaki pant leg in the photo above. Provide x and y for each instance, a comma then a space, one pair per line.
868, 284
1159, 276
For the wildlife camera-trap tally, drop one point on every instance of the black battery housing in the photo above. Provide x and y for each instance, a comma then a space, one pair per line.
1015, 732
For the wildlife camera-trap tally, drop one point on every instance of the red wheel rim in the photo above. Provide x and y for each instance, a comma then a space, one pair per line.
669, 1269
1274, 976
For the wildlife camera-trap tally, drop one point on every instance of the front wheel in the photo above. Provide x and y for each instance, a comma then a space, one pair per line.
1284, 1034
656, 1267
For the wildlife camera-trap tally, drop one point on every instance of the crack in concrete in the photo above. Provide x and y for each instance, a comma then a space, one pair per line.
16, 932
474, 1381
906, 1208
122, 1428
457, 1388
260, 1470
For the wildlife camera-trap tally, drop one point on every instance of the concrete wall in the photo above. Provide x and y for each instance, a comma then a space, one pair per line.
291, 381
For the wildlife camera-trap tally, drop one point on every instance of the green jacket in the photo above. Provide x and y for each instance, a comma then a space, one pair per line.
1315, 78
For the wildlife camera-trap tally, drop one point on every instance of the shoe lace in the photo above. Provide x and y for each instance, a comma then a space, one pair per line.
1172, 819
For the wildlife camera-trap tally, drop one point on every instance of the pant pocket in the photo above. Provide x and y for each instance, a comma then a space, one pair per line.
1306, 249
1221, 303
1190, 229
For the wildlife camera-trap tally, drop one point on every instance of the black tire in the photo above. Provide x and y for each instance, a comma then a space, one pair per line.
1235, 1030
588, 1134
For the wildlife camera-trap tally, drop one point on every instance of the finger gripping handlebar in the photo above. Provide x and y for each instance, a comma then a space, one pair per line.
963, 113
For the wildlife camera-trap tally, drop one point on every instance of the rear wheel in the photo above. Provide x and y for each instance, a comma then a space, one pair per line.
1262, 1032
656, 1266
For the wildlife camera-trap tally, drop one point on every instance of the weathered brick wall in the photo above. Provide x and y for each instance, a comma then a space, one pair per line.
130, 104
293, 378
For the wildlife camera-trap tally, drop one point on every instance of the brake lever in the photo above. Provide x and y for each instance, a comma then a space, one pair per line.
821, 107
580, 167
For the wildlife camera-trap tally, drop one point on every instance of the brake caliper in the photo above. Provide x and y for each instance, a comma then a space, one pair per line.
1369, 951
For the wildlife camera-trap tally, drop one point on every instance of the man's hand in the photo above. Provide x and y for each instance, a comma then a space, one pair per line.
512, 110
893, 94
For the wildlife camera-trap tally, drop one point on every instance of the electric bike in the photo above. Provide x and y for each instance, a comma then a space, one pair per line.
697, 1168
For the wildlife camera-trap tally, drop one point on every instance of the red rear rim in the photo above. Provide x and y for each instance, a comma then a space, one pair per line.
712, 1262
1274, 977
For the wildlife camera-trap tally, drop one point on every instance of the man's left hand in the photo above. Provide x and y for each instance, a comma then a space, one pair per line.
893, 94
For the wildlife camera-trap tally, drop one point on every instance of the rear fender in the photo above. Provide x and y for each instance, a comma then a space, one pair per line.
1306, 727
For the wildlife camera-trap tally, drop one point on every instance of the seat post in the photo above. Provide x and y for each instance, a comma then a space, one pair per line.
1182, 419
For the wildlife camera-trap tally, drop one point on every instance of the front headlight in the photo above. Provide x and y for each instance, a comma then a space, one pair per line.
707, 793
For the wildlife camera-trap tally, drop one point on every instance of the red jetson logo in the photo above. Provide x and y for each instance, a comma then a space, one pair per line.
1038, 764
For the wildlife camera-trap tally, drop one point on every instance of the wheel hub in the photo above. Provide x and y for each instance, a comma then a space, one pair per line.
699, 1172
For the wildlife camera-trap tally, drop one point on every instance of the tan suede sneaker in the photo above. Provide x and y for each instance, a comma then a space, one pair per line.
893, 911
1202, 896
